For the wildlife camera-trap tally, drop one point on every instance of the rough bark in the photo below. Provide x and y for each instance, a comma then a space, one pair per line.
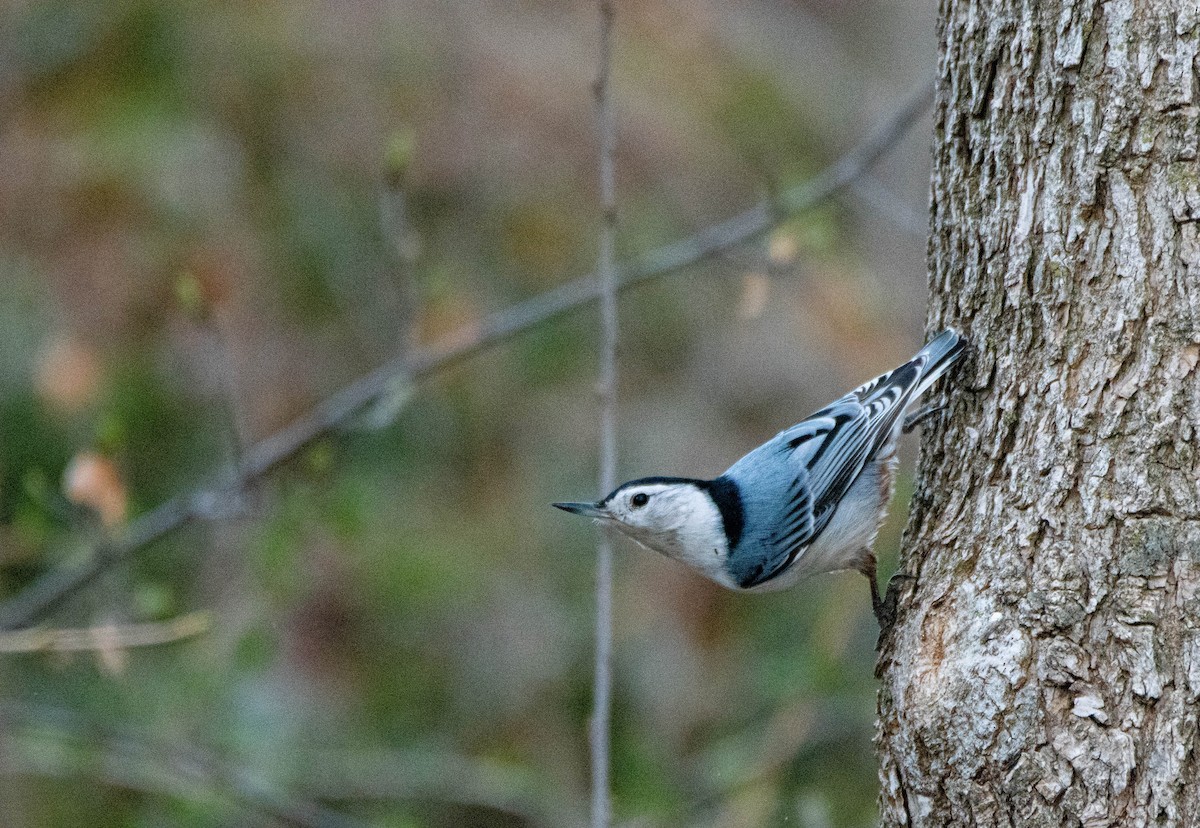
1045, 665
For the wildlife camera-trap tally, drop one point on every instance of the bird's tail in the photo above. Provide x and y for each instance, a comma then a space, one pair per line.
936, 357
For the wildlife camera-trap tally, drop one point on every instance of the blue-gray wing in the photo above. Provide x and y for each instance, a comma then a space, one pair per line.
799, 477
780, 534
866, 419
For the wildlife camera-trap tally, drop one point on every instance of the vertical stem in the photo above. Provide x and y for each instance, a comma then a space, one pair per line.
235, 422
401, 298
607, 270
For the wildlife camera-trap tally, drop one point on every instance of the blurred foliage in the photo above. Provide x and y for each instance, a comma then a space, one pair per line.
192, 253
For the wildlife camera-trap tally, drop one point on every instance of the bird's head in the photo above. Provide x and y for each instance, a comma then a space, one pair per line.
672, 515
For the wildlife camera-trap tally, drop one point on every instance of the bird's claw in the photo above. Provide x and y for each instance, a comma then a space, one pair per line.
920, 416
885, 609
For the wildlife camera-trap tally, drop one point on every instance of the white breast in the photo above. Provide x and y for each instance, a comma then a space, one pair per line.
852, 529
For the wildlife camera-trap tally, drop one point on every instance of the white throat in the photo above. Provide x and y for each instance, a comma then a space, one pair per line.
683, 523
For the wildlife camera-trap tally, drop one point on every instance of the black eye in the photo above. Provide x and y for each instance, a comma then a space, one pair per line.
639, 500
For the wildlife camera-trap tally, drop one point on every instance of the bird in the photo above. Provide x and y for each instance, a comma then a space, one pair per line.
810, 500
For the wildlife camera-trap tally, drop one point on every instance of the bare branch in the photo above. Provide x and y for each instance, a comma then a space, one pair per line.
157, 768
435, 776
606, 267
871, 192
337, 410
85, 747
115, 636
402, 299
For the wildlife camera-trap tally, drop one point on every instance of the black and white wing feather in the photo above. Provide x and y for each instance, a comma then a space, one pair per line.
793, 484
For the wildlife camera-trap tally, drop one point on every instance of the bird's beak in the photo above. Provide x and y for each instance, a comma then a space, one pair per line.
592, 510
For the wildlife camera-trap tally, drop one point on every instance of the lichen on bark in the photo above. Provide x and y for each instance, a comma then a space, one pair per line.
1045, 665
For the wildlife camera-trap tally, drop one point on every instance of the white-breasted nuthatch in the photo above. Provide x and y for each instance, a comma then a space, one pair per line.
809, 500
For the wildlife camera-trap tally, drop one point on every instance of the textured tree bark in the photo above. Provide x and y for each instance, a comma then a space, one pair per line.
1045, 665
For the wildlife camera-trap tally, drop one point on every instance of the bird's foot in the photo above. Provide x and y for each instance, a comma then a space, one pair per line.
885, 613
867, 567
920, 416
884, 605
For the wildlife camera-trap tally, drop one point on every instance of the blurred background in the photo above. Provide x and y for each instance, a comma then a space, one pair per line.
214, 214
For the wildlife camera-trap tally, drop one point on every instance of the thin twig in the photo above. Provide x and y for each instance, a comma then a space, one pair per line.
235, 421
55, 586
435, 776
403, 300
872, 193
157, 768
326, 776
606, 267
117, 636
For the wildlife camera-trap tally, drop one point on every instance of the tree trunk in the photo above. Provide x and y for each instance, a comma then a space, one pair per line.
1045, 665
